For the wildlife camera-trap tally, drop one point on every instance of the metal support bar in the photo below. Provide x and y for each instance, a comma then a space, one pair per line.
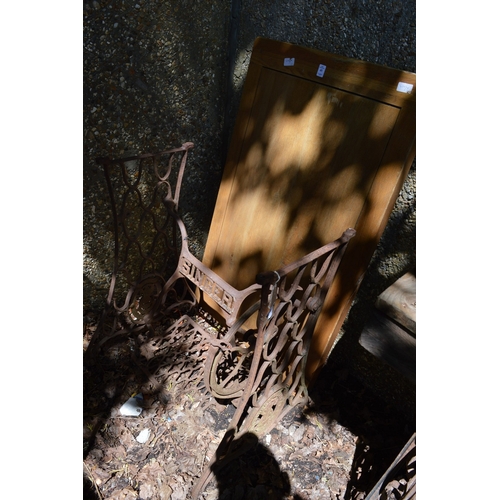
255, 357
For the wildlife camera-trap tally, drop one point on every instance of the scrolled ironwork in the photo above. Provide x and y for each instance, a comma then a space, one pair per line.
291, 301
255, 357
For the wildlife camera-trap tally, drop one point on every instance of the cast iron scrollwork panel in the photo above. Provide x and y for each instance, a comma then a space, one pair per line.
264, 369
156, 302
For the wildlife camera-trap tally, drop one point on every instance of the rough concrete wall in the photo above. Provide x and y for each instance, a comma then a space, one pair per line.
159, 73
155, 76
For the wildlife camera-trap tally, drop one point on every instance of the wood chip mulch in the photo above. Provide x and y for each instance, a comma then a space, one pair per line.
337, 447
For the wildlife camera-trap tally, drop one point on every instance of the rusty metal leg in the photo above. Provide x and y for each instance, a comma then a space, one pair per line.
261, 370
291, 301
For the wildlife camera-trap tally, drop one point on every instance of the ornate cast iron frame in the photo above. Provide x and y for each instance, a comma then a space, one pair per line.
253, 351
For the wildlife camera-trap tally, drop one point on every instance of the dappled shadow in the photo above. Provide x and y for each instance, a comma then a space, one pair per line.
298, 186
110, 377
152, 79
372, 399
252, 474
382, 428
307, 161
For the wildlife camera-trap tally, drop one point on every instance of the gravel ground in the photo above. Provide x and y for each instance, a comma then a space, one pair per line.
336, 447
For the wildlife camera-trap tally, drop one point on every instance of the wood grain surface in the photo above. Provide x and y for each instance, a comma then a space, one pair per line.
309, 157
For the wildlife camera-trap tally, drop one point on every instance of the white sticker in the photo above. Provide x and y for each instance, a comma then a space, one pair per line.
289, 61
405, 87
321, 70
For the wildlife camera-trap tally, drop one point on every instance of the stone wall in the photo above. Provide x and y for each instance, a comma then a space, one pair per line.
154, 77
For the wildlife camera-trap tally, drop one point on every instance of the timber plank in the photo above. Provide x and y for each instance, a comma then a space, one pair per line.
386, 340
399, 301
368, 79
310, 156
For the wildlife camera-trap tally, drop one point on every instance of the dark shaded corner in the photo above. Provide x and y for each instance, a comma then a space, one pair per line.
253, 473
381, 420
